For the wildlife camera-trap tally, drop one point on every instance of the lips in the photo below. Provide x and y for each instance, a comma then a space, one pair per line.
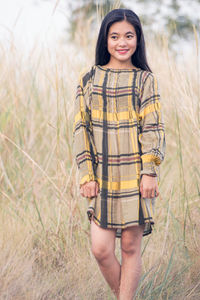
122, 51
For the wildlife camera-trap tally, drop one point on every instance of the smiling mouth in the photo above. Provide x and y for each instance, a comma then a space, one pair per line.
123, 51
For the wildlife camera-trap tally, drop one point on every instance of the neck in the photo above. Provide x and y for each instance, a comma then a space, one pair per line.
119, 64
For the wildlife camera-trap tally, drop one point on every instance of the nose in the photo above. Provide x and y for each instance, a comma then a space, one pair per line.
122, 42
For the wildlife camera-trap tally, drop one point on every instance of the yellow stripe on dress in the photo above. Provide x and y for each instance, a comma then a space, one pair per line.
150, 108
116, 185
124, 115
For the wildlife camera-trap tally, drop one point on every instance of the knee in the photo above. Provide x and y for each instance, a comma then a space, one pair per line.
101, 252
129, 248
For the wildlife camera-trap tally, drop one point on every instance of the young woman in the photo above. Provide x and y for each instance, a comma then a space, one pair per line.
119, 143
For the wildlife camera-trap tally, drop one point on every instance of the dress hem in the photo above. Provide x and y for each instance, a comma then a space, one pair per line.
119, 227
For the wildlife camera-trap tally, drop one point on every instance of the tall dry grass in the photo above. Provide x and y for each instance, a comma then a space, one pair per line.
44, 232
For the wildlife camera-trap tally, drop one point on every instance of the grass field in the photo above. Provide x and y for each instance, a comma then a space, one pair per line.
44, 232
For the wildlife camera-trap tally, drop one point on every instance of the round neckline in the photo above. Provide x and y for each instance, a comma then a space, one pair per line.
117, 70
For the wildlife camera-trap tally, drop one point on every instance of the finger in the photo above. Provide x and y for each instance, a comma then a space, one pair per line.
147, 193
84, 189
87, 191
96, 189
144, 194
90, 191
93, 191
83, 192
157, 192
153, 193
141, 187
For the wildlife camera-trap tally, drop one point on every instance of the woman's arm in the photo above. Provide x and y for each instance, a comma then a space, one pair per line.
152, 133
84, 149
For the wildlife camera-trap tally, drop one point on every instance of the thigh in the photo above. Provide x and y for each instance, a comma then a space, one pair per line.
102, 238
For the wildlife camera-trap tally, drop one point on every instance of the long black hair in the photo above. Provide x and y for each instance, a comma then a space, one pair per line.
117, 15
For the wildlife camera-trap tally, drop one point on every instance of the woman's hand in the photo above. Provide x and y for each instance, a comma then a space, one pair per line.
149, 186
89, 189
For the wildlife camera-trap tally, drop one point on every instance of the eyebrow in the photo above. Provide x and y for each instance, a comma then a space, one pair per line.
118, 33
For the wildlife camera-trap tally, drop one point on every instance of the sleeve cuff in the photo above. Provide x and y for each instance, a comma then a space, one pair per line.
87, 178
150, 168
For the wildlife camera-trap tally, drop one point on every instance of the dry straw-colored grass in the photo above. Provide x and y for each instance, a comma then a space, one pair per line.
44, 231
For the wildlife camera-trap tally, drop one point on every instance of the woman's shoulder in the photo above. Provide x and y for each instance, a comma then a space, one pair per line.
86, 75
149, 84
148, 77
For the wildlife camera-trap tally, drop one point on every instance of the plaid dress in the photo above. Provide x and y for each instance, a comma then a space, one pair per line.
118, 135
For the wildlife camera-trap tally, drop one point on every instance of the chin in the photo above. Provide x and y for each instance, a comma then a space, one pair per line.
124, 59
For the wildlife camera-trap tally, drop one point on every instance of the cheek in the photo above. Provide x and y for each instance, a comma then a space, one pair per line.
110, 46
133, 45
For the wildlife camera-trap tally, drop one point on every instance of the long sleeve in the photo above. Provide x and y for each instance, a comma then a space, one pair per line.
152, 132
84, 150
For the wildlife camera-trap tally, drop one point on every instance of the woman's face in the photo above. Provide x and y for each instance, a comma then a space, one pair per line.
121, 42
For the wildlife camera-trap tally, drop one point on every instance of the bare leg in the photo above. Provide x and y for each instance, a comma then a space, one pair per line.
103, 248
131, 261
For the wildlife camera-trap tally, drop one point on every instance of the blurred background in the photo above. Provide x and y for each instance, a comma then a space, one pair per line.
44, 232
30, 22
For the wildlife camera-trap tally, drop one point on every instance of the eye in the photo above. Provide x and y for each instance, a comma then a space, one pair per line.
129, 36
113, 37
